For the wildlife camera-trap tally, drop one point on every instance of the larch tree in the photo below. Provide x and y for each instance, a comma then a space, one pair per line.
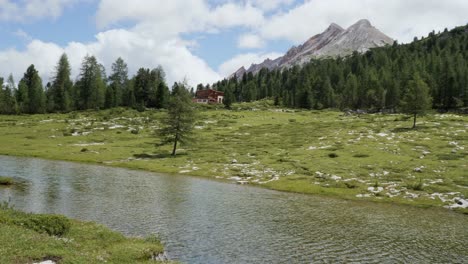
118, 83
179, 122
417, 100
91, 85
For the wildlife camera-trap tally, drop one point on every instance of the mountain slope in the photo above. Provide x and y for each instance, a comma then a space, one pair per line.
334, 41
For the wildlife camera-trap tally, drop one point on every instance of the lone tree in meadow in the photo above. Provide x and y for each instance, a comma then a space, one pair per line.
417, 100
180, 119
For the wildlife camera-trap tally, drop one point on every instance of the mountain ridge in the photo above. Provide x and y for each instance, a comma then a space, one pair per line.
333, 42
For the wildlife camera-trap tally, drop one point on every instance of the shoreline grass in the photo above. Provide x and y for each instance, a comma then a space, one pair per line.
6, 181
368, 157
28, 238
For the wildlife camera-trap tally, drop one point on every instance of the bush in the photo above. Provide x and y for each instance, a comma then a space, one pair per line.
53, 225
416, 186
333, 155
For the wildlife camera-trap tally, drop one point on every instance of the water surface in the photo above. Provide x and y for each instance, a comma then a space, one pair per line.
204, 221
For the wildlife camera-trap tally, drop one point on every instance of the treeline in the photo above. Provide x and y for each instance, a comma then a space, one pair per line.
376, 80
92, 90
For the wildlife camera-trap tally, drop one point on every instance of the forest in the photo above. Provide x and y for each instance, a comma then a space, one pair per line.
378, 80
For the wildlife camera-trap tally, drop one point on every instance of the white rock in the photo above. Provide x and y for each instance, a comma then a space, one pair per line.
375, 189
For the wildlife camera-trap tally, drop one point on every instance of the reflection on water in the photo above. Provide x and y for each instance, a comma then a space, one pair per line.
203, 221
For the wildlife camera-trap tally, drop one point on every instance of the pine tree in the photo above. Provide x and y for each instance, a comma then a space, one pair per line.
417, 99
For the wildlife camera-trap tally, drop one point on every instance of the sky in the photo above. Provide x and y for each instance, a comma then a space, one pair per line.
200, 41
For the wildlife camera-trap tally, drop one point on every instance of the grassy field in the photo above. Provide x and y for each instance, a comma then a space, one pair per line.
369, 157
27, 238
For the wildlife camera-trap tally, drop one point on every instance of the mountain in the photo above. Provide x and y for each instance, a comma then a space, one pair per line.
333, 42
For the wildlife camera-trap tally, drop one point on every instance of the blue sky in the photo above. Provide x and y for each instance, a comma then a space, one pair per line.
199, 40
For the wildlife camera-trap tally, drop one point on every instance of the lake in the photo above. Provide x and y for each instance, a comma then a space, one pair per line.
206, 221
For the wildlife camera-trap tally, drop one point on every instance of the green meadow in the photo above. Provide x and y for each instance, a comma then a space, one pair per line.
367, 157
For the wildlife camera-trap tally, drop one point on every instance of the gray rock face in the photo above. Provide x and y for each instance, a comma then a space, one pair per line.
333, 42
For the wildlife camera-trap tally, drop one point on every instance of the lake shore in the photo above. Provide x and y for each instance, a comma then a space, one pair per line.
368, 157
28, 238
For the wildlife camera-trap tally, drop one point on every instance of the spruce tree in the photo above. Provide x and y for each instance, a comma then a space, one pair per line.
61, 88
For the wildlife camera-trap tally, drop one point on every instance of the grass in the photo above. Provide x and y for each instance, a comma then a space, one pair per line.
6, 181
313, 152
24, 240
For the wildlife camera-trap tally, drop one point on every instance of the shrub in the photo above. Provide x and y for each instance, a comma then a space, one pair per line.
333, 155
351, 184
53, 225
416, 186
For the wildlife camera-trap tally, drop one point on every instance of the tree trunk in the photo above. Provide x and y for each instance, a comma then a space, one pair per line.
175, 146
414, 122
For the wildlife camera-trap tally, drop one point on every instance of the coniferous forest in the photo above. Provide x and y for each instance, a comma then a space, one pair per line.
378, 80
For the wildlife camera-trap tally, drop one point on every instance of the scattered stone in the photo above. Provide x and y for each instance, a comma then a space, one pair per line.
375, 189
363, 195
234, 161
162, 257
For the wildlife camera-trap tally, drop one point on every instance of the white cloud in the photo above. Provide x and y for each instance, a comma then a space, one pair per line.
156, 35
22, 34
32, 9
250, 41
135, 48
179, 16
400, 19
233, 64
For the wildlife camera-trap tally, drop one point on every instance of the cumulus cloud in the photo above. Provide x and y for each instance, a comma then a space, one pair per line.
155, 35
136, 49
250, 41
179, 16
32, 9
400, 19
233, 64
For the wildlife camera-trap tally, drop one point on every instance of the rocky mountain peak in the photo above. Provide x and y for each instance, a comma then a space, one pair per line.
333, 42
333, 27
362, 23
